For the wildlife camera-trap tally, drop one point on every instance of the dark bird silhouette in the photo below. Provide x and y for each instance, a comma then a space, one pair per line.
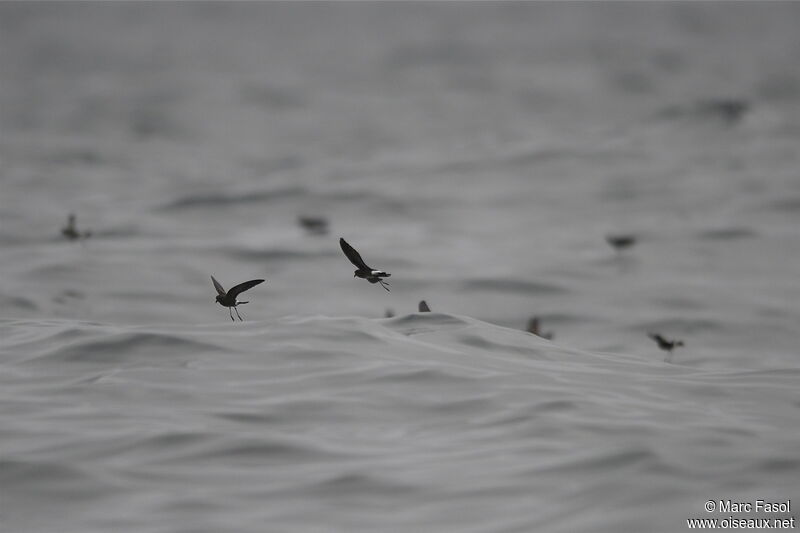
730, 110
423, 307
313, 225
533, 327
663, 343
621, 242
364, 271
228, 299
70, 231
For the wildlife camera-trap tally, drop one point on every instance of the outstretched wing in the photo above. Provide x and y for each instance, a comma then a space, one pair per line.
423, 307
217, 286
656, 337
352, 255
244, 286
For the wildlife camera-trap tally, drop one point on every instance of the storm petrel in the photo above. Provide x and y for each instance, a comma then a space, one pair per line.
364, 271
533, 327
663, 343
423, 307
621, 242
314, 225
228, 299
70, 231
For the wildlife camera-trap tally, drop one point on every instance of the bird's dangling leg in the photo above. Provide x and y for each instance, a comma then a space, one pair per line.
237, 314
231, 313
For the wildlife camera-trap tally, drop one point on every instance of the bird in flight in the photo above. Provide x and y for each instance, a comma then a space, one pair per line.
70, 231
364, 271
621, 242
313, 225
423, 307
533, 327
228, 299
663, 343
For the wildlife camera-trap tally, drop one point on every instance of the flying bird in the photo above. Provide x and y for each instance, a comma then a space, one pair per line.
423, 307
663, 343
363, 271
228, 299
313, 225
621, 242
70, 231
533, 327
729, 110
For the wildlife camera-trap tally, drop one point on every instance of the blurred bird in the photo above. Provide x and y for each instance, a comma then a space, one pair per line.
228, 299
364, 271
70, 231
313, 225
423, 307
621, 242
663, 343
730, 110
533, 327
389, 313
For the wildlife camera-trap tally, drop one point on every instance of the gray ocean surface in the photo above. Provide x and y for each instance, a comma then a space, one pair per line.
478, 152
